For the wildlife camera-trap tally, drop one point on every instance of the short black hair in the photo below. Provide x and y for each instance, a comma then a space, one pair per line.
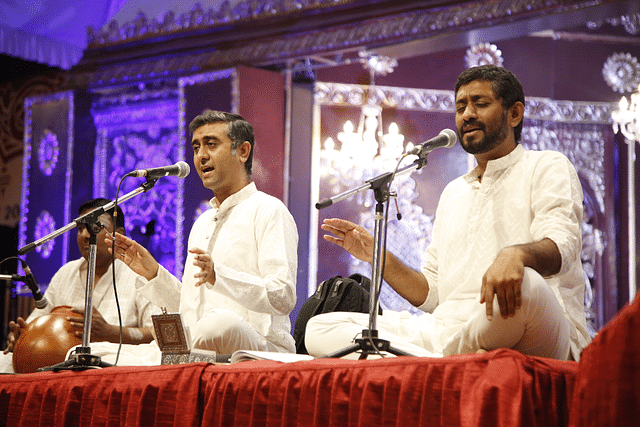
238, 131
504, 83
90, 205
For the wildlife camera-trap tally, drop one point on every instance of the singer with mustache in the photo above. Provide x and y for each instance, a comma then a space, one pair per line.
503, 269
239, 281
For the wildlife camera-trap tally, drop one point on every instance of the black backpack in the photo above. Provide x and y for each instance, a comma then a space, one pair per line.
335, 294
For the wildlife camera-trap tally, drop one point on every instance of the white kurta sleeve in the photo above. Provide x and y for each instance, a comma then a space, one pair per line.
557, 208
163, 290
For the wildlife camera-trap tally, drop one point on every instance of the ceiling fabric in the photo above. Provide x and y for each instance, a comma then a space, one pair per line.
54, 32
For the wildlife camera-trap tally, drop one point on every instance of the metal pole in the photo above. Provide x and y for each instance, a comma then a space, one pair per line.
632, 218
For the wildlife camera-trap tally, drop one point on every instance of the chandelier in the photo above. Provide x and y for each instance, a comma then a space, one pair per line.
627, 117
364, 149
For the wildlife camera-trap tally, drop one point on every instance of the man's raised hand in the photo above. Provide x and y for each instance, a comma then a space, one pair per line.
352, 237
137, 257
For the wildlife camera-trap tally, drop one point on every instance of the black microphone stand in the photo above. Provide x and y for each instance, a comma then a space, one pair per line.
369, 343
82, 357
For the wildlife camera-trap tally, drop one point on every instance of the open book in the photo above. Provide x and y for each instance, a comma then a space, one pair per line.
246, 355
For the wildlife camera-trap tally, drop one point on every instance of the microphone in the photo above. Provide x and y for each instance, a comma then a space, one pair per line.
447, 138
180, 169
30, 281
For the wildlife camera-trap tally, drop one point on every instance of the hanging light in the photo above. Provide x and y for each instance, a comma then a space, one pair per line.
364, 149
627, 118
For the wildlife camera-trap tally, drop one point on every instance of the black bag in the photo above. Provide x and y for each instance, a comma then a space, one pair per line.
335, 294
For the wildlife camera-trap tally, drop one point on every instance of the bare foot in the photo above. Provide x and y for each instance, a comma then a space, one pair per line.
480, 351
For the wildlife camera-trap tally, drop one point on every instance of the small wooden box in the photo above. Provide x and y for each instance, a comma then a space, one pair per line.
174, 341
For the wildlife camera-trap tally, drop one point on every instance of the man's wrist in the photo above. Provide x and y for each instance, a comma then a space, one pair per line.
153, 273
516, 252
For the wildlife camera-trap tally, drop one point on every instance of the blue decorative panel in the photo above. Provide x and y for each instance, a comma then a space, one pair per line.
138, 133
46, 181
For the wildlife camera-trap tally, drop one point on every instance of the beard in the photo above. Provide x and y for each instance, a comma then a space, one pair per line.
493, 136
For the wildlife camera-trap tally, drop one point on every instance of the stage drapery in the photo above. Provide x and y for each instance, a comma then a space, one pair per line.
115, 396
499, 388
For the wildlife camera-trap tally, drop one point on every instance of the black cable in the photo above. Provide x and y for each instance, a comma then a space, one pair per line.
113, 266
10, 258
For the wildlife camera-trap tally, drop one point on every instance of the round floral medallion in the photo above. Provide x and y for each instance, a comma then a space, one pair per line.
621, 72
48, 152
45, 225
483, 54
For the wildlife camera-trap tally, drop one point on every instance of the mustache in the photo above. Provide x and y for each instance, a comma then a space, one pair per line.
472, 124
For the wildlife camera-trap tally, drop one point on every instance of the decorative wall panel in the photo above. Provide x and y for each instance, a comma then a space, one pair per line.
137, 133
47, 177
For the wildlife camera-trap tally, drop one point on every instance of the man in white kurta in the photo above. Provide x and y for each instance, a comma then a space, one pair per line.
238, 286
68, 285
524, 196
253, 239
508, 233
68, 288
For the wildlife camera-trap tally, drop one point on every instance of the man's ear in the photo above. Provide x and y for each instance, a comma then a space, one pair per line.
516, 114
244, 150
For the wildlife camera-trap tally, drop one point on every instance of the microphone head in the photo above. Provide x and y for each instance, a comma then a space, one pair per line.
183, 169
446, 138
451, 137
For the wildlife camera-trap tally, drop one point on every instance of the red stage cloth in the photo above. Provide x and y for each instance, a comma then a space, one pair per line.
499, 388
607, 387
115, 396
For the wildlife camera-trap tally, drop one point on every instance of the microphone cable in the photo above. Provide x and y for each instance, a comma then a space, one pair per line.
114, 214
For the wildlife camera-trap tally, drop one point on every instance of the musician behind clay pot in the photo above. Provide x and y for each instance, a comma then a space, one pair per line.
67, 288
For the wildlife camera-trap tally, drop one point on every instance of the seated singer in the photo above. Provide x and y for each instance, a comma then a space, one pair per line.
68, 286
503, 268
238, 286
